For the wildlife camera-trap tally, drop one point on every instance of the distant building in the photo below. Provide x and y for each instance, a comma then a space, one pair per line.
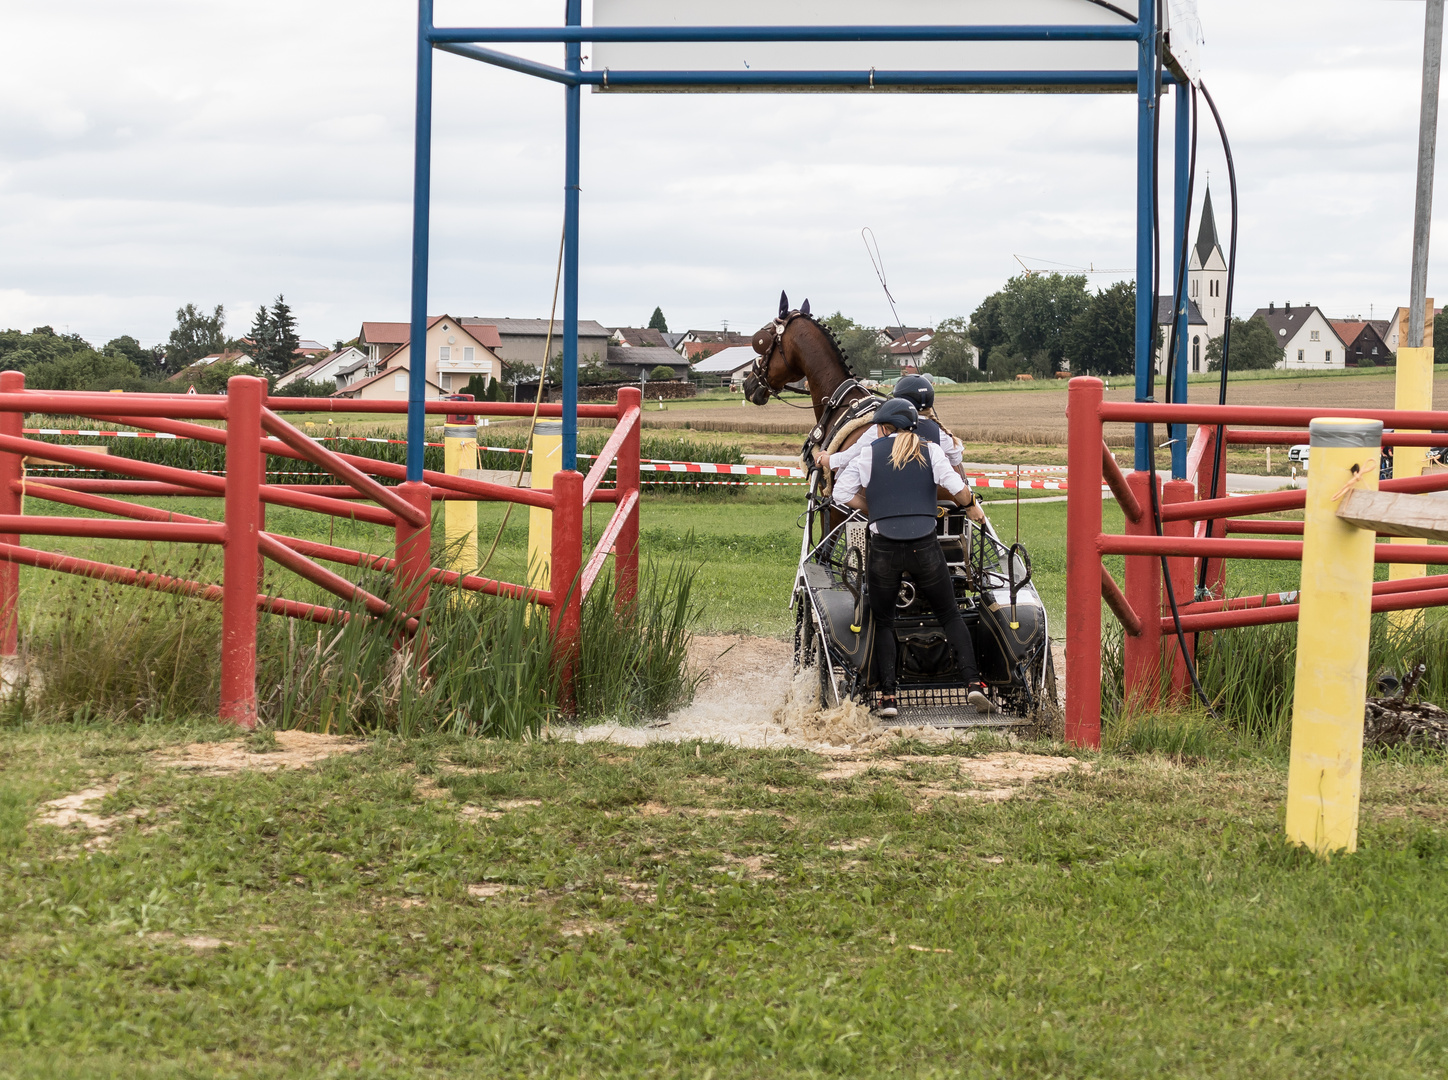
1207, 276
390, 384
322, 369
1395, 330
1362, 340
522, 341
907, 350
642, 337
454, 356
695, 343
730, 364
889, 335
631, 362
1306, 335
1196, 336
227, 356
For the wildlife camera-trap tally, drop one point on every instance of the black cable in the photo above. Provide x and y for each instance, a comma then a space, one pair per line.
1219, 450
1178, 287
1128, 16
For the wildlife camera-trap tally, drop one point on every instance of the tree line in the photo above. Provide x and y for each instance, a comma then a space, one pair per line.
53, 361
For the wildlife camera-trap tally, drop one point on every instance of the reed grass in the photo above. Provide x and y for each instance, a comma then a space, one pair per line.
1248, 676
480, 665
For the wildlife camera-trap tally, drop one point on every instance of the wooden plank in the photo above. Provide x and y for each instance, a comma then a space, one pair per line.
1394, 514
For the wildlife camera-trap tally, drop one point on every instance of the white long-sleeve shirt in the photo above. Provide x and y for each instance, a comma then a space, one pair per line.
843, 457
856, 476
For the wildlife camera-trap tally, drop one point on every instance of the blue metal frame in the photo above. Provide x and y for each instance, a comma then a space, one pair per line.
1182, 211
465, 42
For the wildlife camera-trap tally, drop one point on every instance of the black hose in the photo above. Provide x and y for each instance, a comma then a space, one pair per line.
1178, 287
1219, 451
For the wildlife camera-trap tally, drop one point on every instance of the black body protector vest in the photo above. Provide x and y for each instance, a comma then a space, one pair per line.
902, 501
929, 431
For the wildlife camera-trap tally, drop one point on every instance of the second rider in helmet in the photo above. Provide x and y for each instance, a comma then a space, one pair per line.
920, 393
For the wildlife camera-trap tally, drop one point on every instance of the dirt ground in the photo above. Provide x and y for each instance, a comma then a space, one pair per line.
1038, 416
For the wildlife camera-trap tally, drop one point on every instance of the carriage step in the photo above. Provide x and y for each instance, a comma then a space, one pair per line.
953, 716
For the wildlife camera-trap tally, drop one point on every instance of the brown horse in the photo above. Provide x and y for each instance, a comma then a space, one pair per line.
793, 348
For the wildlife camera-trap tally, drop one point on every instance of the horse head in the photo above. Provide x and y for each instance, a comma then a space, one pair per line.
779, 361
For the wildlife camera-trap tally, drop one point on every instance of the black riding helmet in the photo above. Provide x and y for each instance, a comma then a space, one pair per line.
916, 390
898, 413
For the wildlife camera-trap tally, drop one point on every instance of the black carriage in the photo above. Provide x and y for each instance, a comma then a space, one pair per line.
993, 587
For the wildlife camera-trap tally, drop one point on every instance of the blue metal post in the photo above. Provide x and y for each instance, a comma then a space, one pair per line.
1145, 203
1182, 92
572, 97
421, 193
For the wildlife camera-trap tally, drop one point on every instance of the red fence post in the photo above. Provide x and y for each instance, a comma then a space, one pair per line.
626, 547
12, 470
1141, 658
563, 577
1083, 563
1216, 579
1182, 583
414, 550
244, 397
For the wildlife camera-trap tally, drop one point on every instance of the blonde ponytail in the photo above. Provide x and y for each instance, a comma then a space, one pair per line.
905, 448
929, 414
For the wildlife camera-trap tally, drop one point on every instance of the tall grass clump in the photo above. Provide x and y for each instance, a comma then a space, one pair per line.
1249, 674
486, 667
480, 665
98, 650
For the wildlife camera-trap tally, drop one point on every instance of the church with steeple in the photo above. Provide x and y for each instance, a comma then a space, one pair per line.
1207, 276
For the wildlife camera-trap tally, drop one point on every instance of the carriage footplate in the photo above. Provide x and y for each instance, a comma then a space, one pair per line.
944, 707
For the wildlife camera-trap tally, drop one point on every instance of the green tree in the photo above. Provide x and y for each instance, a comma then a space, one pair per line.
860, 344
1254, 346
591, 371
150, 362
88, 370
986, 328
663, 371
19, 351
212, 379
951, 351
196, 334
276, 350
1101, 340
260, 334
1440, 335
658, 322
1036, 312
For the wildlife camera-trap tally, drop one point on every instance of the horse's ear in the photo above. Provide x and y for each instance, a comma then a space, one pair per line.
804, 308
783, 304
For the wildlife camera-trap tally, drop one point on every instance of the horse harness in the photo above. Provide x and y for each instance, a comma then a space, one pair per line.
835, 413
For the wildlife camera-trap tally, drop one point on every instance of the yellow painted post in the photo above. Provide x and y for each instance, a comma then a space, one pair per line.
460, 518
547, 460
1324, 778
1414, 391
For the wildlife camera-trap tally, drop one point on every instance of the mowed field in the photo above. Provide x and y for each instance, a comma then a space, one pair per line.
1035, 414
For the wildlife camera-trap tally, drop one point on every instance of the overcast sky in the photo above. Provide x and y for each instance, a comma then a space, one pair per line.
155, 152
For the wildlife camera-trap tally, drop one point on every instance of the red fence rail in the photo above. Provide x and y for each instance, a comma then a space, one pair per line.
1186, 511
255, 428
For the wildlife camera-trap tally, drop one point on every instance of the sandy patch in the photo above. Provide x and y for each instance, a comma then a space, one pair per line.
997, 776
580, 928
751, 866
487, 890
199, 942
70, 812
497, 810
299, 749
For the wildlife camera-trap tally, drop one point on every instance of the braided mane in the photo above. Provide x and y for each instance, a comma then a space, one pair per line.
843, 356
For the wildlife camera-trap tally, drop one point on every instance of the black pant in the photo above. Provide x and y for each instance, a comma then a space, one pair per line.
889, 559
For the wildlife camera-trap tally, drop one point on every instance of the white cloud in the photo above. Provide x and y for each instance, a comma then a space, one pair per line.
163, 152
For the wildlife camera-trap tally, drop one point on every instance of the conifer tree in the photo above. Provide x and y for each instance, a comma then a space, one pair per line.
658, 322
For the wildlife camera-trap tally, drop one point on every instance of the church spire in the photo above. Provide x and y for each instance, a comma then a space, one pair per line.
1207, 234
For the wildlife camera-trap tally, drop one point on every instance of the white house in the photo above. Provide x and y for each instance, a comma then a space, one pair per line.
455, 354
730, 364
1196, 336
1305, 333
322, 369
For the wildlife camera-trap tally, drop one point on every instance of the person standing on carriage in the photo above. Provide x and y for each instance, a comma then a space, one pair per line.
920, 393
895, 483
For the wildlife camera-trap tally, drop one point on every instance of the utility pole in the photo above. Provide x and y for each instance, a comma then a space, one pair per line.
1427, 148
1414, 370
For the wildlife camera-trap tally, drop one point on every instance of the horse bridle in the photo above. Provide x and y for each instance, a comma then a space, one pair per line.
760, 368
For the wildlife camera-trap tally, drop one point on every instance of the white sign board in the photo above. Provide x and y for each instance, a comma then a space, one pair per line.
860, 56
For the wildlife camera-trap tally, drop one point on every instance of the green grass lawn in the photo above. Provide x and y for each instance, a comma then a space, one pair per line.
595, 911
